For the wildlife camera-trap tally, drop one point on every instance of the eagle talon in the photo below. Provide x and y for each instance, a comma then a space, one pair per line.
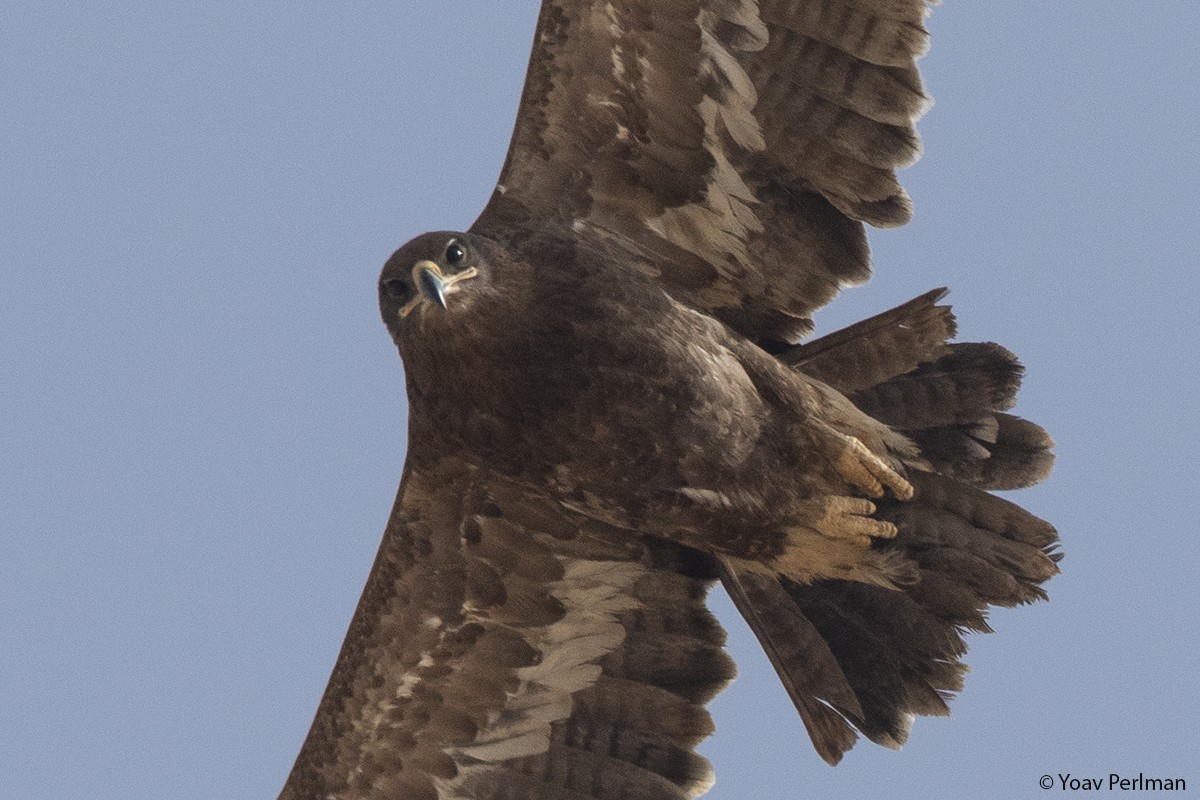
850, 518
865, 471
827, 538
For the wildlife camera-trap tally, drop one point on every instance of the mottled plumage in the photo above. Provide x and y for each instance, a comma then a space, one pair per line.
610, 410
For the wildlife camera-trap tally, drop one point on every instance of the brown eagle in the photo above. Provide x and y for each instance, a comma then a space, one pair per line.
610, 409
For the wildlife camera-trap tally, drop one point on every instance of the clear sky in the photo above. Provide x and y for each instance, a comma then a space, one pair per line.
202, 418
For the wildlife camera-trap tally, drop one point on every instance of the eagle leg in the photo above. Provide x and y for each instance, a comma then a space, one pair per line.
866, 472
846, 518
823, 537
831, 537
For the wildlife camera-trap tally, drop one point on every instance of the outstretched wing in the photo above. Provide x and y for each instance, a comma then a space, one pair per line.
502, 650
739, 145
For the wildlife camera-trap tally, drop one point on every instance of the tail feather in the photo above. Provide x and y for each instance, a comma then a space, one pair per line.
802, 658
872, 351
858, 658
899, 659
998, 452
948, 398
961, 387
898, 652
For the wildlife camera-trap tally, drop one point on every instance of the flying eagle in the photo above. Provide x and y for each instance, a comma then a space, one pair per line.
611, 409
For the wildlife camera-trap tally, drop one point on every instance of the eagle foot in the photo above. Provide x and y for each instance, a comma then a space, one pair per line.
848, 519
865, 471
828, 539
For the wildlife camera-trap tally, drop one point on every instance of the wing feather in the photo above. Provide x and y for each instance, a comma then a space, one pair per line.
497, 638
736, 145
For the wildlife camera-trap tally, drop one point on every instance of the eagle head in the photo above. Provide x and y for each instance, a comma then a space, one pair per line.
449, 300
429, 274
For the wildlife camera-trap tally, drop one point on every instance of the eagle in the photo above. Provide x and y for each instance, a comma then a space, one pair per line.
614, 404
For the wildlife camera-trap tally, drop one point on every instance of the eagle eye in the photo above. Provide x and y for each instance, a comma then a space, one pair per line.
394, 288
454, 253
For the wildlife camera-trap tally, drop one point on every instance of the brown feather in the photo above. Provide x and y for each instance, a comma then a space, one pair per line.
634, 706
898, 652
1009, 453
484, 647
856, 28
968, 383
680, 136
870, 352
801, 658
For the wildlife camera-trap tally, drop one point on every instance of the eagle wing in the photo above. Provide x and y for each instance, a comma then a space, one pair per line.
739, 145
502, 649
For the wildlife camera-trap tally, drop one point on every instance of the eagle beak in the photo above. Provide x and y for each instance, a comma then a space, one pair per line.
428, 278
433, 284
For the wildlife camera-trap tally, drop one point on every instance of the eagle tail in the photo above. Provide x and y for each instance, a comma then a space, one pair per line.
949, 398
858, 658
953, 409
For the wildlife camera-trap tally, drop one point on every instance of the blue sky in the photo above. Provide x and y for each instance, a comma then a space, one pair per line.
202, 417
